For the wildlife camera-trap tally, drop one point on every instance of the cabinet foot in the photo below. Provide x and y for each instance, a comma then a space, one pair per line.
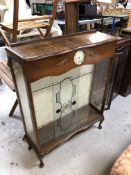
100, 127
41, 165
29, 147
100, 124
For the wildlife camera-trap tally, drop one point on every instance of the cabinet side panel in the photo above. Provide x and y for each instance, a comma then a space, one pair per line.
23, 99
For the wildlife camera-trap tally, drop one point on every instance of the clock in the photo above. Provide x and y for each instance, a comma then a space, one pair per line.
79, 57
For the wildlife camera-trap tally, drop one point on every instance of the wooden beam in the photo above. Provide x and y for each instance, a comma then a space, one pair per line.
71, 18
72, 15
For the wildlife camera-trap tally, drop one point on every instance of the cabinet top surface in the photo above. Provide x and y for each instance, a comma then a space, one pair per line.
31, 51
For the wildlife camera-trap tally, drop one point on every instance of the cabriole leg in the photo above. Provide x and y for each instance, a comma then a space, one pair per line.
41, 165
101, 121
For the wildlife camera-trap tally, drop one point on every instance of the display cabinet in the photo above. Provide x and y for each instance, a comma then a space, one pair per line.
59, 89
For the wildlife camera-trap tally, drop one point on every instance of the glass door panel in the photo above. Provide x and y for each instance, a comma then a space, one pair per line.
59, 102
99, 80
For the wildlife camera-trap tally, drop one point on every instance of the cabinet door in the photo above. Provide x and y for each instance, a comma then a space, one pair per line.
125, 87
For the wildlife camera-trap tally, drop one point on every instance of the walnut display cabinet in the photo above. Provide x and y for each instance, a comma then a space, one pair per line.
58, 87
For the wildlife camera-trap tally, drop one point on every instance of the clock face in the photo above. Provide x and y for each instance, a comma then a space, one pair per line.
79, 57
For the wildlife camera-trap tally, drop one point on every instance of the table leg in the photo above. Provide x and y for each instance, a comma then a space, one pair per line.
121, 25
88, 26
113, 25
101, 24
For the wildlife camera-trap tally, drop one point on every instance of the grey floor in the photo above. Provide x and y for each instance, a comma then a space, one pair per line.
91, 152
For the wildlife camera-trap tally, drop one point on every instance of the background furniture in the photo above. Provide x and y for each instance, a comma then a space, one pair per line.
72, 6
12, 13
119, 18
5, 74
20, 25
90, 24
104, 23
120, 79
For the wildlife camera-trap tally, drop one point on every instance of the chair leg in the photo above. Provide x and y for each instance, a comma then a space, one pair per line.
0, 82
13, 108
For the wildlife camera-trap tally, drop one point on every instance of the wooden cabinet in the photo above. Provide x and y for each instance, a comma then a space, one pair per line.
57, 85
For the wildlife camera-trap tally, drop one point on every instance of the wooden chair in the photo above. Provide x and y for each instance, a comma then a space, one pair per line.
18, 25
5, 74
14, 29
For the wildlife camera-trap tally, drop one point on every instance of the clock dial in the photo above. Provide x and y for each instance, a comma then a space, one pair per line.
79, 57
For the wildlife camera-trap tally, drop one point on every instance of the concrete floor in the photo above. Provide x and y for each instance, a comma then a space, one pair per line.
91, 152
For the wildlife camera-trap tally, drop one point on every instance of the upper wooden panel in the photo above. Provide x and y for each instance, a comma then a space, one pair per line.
32, 51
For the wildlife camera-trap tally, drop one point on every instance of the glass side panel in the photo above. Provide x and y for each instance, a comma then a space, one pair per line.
99, 80
23, 99
62, 102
